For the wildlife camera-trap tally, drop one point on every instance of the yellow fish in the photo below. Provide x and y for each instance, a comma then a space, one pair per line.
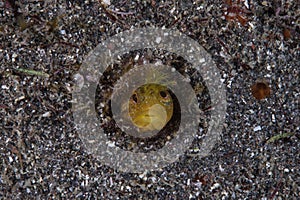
150, 107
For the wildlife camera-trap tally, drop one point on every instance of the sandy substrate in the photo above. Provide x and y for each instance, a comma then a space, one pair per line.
44, 43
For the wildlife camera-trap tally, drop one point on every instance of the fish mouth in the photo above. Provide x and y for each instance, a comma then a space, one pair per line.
154, 118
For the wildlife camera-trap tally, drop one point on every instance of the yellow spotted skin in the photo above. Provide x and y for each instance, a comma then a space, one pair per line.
150, 107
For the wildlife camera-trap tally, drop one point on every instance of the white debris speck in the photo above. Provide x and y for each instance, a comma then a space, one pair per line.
111, 181
268, 164
265, 3
215, 186
251, 111
188, 182
244, 101
172, 10
202, 60
221, 168
153, 179
110, 144
46, 114
222, 54
273, 118
225, 193
199, 8
281, 47
251, 25
143, 175
19, 109
286, 170
4, 87
237, 187
13, 57
83, 183
19, 99
63, 32
128, 188
106, 2
136, 57
270, 173
198, 184
257, 128
158, 40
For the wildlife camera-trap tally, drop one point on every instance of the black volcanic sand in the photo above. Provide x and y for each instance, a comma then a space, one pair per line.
42, 155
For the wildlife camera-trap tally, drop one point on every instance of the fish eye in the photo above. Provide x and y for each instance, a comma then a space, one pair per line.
163, 94
134, 98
